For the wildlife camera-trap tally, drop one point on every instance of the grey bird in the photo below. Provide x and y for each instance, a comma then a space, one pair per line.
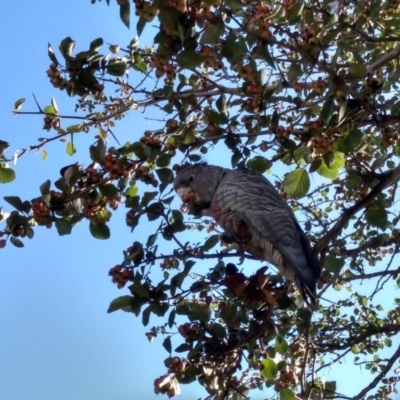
246, 205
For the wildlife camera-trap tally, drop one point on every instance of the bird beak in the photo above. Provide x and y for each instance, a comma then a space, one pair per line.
186, 194
183, 191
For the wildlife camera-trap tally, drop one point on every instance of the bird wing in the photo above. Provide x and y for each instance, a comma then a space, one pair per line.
253, 199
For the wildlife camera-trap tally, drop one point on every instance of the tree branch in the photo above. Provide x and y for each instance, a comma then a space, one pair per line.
387, 180
379, 377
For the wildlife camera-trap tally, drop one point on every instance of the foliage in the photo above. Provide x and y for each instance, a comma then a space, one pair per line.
310, 86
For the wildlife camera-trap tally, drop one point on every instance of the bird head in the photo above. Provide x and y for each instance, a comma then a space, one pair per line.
196, 185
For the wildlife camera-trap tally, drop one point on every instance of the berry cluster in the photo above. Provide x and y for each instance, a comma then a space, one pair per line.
169, 263
245, 71
286, 377
118, 167
51, 123
162, 66
129, 219
388, 137
60, 82
212, 62
283, 133
260, 22
373, 82
288, 5
203, 295
18, 230
120, 275
309, 36
56, 78
93, 175
322, 145
165, 385
319, 86
146, 10
189, 331
41, 212
175, 365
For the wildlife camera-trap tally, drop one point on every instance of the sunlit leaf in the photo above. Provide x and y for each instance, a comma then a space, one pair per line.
120, 303
297, 183
7, 174
269, 369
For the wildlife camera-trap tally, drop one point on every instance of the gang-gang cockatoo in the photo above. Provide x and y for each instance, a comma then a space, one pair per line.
246, 205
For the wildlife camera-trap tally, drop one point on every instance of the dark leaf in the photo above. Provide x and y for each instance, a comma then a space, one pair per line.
167, 344
210, 243
100, 231
125, 13
63, 226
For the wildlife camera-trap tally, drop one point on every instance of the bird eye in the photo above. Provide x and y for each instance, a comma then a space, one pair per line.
190, 178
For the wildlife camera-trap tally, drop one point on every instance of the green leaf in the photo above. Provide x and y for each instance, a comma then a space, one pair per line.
189, 59
212, 34
327, 109
63, 227
234, 4
7, 175
218, 331
357, 71
14, 201
139, 289
140, 25
333, 264
163, 160
120, 303
109, 190
297, 183
74, 128
165, 175
71, 150
3, 147
16, 242
281, 345
146, 316
125, 13
221, 103
332, 171
169, 18
45, 187
132, 191
259, 163
377, 217
167, 344
171, 318
295, 13
263, 53
50, 111
349, 141
182, 348
100, 231
269, 369
116, 68
67, 47
210, 243
287, 394
147, 197
96, 44
18, 104
98, 152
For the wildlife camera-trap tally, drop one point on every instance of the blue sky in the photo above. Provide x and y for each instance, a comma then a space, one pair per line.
56, 339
